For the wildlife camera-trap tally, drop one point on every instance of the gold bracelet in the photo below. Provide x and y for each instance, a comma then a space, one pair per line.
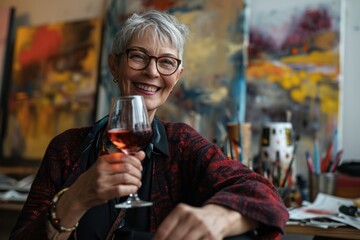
54, 220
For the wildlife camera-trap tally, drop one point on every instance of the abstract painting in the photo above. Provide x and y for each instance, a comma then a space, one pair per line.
53, 85
6, 39
293, 69
6, 19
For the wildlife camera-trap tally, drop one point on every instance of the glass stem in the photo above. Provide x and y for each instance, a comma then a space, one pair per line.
134, 196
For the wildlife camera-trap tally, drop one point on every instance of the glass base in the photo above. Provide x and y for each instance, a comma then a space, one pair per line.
133, 204
133, 201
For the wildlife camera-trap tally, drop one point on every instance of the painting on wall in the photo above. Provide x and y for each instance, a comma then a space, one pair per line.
293, 69
6, 38
207, 96
6, 19
53, 85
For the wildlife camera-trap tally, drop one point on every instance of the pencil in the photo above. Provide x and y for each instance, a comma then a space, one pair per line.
337, 161
325, 162
309, 162
316, 156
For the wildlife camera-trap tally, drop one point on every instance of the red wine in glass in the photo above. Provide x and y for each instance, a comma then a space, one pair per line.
129, 129
130, 141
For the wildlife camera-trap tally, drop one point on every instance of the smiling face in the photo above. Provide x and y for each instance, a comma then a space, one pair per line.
154, 87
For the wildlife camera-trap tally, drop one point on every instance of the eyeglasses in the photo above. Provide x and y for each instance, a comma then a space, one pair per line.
139, 60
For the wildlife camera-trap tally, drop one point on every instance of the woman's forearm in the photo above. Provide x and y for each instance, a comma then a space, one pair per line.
231, 222
68, 212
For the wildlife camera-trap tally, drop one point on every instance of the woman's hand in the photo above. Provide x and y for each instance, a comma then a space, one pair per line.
211, 222
112, 176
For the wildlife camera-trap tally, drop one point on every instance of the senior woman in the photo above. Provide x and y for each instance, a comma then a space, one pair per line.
197, 192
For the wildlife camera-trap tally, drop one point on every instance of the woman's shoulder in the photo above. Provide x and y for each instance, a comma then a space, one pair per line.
177, 126
77, 135
66, 145
182, 132
74, 132
71, 136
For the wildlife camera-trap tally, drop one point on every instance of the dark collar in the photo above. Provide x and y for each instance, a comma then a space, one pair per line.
159, 142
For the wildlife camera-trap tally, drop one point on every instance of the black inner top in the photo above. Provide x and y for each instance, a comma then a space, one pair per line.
97, 221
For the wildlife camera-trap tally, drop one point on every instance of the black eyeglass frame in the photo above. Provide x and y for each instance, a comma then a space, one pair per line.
150, 57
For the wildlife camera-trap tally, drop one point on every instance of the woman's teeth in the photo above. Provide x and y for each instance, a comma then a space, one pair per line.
146, 87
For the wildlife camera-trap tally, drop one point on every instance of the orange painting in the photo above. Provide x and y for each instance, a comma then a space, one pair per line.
53, 85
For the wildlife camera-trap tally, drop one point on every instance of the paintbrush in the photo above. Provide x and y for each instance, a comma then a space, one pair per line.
297, 138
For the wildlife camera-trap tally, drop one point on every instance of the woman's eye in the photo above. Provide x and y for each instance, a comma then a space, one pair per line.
138, 56
167, 62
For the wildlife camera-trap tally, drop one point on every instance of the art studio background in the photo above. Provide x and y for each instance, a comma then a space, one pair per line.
254, 63
250, 62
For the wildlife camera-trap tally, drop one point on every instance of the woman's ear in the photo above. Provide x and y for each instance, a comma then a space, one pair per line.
112, 64
179, 73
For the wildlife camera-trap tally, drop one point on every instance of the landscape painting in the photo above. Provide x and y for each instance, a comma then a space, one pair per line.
293, 70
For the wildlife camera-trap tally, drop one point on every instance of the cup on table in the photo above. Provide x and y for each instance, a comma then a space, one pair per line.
323, 182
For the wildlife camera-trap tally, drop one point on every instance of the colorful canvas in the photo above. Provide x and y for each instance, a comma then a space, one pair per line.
207, 96
53, 85
6, 18
6, 15
293, 68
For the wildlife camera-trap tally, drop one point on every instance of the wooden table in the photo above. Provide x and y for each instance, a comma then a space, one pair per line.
11, 206
9, 212
339, 232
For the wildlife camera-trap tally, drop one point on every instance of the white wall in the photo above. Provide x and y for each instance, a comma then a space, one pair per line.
350, 82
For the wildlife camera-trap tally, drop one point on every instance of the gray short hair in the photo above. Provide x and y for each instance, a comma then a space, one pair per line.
166, 27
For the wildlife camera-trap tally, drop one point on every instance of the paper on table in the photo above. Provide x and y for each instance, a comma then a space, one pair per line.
326, 206
13, 190
314, 223
12, 195
23, 185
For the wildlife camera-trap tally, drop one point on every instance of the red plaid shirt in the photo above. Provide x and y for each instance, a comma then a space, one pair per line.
190, 169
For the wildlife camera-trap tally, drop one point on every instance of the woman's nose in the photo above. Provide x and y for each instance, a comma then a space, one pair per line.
151, 68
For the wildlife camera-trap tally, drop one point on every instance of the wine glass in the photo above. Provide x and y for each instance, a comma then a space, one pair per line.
129, 129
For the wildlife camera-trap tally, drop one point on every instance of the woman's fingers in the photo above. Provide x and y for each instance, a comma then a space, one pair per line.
113, 175
118, 163
117, 169
118, 158
186, 222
